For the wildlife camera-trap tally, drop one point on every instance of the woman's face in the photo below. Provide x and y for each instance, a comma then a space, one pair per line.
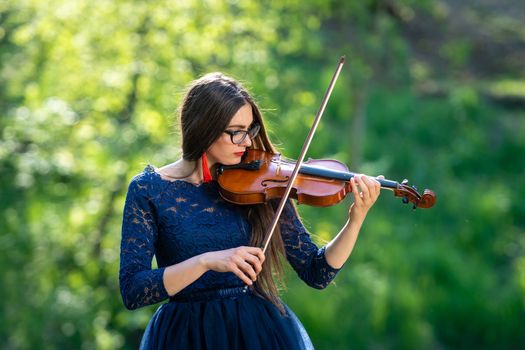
223, 150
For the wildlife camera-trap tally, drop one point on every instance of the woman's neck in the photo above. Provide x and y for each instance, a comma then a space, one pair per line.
187, 170
182, 169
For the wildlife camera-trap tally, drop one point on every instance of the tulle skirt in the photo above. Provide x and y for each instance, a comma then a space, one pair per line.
225, 319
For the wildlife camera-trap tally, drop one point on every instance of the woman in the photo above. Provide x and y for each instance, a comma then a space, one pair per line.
220, 287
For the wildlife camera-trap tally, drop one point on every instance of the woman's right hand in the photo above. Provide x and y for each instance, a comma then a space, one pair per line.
245, 262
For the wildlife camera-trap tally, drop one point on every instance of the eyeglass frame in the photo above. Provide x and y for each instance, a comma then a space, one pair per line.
248, 132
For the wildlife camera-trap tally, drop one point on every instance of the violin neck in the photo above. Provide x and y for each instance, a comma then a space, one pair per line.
342, 175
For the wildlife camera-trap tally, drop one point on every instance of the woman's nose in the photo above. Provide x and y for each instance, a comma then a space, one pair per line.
247, 141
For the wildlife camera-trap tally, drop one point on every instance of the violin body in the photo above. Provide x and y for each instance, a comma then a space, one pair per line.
242, 186
262, 176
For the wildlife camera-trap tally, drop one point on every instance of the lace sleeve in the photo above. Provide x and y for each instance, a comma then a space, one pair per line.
139, 284
304, 256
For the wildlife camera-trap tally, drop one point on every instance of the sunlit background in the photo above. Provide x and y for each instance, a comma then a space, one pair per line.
432, 91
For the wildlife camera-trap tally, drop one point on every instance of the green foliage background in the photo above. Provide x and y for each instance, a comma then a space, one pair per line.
432, 90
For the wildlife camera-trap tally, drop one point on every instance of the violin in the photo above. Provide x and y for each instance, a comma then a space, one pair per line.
262, 176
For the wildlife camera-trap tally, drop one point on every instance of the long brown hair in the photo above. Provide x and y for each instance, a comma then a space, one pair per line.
207, 109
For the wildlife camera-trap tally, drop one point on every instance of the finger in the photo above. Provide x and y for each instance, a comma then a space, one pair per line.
355, 190
257, 252
376, 187
373, 186
242, 276
254, 261
261, 255
238, 262
248, 270
364, 186
253, 255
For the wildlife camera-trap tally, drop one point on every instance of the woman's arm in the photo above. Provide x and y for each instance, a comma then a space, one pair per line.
317, 267
245, 262
340, 248
140, 285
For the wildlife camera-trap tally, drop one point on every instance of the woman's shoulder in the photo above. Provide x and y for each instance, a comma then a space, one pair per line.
177, 171
152, 181
144, 181
151, 173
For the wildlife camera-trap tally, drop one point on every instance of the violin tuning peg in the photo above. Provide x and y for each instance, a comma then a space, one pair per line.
414, 207
405, 200
404, 182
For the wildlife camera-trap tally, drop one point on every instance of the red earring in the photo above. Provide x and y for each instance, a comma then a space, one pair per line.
205, 170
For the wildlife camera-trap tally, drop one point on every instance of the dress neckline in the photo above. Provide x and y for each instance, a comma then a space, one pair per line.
152, 169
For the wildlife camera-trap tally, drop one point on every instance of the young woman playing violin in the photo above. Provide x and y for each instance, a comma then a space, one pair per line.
221, 288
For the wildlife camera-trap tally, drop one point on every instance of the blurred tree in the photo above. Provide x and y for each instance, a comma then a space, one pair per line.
88, 97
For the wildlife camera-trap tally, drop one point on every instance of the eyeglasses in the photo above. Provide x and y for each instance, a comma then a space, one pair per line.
238, 136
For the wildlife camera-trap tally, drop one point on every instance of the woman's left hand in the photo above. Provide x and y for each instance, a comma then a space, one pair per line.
365, 190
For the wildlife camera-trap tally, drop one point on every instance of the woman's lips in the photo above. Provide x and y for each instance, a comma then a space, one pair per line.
239, 154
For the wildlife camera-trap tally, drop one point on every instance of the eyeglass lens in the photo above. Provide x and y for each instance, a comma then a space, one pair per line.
239, 136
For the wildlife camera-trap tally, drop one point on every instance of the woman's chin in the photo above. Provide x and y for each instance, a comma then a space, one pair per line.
231, 161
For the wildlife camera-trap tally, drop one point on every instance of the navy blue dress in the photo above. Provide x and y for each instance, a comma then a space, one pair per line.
176, 220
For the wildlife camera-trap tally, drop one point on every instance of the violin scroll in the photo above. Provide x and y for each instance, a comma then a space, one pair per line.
410, 195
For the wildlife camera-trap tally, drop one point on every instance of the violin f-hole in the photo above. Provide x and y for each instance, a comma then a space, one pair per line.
278, 180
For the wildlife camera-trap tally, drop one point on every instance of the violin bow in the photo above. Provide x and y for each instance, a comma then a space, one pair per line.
300, 159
